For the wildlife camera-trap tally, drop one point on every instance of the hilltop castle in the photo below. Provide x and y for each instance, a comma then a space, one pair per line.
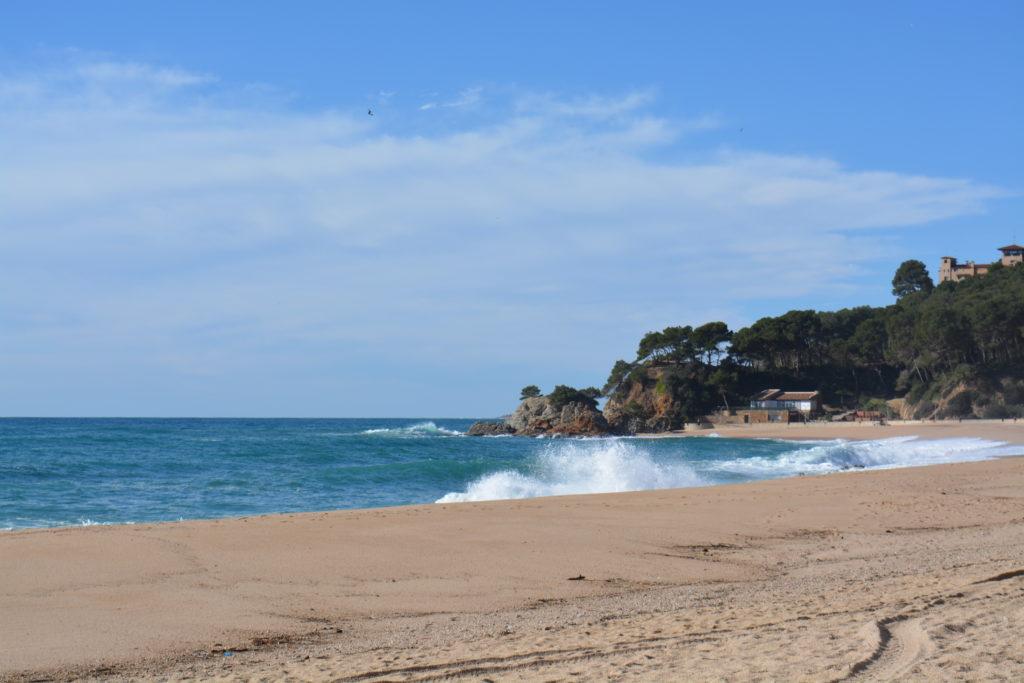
951, 271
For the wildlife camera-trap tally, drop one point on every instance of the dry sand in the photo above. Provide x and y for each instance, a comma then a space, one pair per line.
913, 574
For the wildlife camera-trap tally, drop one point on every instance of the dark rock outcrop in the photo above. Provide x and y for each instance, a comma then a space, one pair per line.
490, 429
536, 416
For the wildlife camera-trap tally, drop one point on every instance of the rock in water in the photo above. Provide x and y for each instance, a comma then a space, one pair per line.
578, 419
539, 415
533, 416
490, 429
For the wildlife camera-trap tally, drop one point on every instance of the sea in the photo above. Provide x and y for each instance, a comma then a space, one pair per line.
71, 472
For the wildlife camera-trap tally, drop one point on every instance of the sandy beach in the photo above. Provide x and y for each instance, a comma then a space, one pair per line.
909, 574
386, 342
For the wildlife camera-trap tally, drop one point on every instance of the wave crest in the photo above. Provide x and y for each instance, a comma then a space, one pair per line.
427, 428
605, 466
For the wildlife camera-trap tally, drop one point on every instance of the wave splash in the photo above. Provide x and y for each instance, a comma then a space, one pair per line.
604, 466
839, 455
419, 429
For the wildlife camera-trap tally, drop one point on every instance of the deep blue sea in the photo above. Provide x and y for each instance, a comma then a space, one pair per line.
58, 472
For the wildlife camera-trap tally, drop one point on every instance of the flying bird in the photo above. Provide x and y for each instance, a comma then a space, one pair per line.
369, 112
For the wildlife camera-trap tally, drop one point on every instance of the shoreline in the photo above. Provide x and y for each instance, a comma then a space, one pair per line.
743, 571
1011, 433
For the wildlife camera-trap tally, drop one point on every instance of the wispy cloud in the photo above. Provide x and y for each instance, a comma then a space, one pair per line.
133, 72
591, 106
79, 80
141, 232
470, 97
466, 99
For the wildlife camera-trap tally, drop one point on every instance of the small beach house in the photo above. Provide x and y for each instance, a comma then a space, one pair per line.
807, 402
773, 405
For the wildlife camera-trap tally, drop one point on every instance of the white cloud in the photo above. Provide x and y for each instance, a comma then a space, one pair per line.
178, 231
591, 106
131, 72
468, 98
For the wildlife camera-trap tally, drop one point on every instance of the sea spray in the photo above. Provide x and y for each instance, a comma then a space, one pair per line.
580, 466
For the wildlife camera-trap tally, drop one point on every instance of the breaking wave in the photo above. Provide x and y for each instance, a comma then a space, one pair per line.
839, 455
611, 465
419, 429
601, 466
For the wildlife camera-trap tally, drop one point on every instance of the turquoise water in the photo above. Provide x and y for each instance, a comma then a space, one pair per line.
57, 472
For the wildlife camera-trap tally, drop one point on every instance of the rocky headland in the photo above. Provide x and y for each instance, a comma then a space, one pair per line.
947, 352
545, 415
645, 403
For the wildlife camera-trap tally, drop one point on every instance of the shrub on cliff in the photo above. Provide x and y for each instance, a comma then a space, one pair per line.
616, 377
529, 391
564, 395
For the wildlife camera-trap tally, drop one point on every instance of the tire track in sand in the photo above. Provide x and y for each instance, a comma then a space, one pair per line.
902, 642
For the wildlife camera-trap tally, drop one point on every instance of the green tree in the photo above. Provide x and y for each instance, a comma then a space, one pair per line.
529, 391
671, 344
650, 347
616, 377
563, 395
912, 276
707, 340
677, 346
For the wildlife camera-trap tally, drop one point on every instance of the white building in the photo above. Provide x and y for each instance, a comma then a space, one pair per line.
807, 402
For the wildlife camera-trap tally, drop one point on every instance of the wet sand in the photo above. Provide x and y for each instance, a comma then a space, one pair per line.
915, 573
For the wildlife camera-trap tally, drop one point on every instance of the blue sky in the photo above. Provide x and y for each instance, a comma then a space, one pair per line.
197, 216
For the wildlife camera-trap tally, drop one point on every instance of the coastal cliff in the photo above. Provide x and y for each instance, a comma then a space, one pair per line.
645, 403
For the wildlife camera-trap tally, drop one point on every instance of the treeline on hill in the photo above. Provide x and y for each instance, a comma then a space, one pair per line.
950, 351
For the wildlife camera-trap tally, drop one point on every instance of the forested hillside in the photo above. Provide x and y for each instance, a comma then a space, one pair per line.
955, 350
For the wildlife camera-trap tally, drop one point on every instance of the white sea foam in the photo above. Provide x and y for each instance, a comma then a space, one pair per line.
609, 465
91, 522
566, 467
419, 429
834, 456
